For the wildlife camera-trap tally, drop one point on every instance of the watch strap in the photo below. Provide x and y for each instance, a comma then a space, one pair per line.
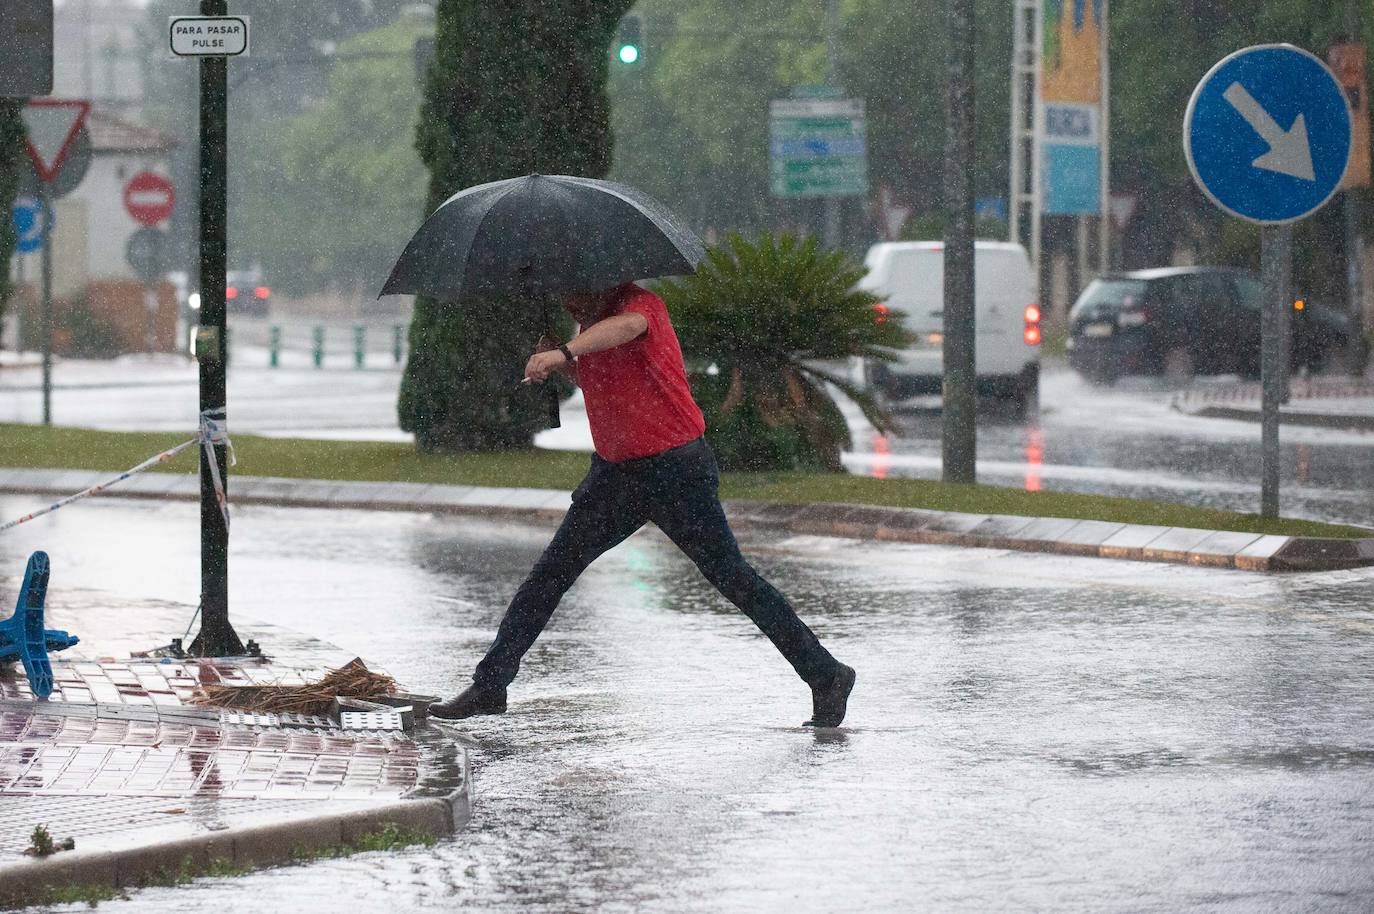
567, 353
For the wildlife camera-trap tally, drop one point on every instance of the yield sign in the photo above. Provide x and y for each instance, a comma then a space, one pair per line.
51, 126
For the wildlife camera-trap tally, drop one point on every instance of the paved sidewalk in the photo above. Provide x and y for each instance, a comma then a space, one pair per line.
1061, 536
119, 760
1345, 403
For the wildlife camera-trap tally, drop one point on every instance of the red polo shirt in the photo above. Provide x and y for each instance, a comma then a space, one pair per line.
638, 399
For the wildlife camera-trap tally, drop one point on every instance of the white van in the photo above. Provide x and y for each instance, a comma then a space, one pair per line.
908, 276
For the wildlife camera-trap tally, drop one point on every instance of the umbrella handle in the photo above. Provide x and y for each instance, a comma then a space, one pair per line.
551, 401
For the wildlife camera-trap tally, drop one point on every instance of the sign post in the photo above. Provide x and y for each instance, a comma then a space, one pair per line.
212, 37
1267, 135
51, 128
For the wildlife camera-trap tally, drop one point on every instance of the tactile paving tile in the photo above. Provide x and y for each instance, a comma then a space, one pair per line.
60, 756
371, 720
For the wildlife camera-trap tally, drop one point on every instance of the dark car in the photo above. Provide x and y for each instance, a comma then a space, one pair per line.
245, 293
1205, 318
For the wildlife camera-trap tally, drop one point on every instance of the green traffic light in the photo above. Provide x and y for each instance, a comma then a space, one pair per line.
629, 53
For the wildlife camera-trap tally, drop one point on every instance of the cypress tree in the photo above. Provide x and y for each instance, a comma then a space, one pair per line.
12, 164
515, 87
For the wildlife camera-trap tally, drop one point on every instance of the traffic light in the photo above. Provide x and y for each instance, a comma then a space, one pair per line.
630, 38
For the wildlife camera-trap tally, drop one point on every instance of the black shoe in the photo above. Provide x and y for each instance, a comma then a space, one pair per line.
472, 701
828, 703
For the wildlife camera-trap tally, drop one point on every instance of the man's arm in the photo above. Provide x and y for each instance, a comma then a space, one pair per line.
603, 335
609, 333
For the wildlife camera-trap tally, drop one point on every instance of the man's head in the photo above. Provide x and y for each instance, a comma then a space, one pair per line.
588, 307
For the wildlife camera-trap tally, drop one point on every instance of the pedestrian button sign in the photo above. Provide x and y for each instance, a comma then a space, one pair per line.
208, 36
1267, 133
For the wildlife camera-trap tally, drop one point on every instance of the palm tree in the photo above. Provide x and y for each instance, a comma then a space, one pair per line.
762, 315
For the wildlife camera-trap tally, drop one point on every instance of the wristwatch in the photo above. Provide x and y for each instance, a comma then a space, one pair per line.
567, 353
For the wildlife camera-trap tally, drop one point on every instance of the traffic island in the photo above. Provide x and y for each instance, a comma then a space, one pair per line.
1305, 548
149, 787
1322, 402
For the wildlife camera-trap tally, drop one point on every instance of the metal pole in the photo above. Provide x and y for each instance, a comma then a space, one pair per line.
1104, 129
45, 206
150, 312
1018, 118
217, 637
19, 299
832, 49
1037, 182
1276, 249
959, 439
1354, 245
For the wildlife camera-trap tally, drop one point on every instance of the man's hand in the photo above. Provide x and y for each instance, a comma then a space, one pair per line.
542, 364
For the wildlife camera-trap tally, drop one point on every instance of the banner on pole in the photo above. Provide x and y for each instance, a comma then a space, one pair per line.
1071, 96
1348, 63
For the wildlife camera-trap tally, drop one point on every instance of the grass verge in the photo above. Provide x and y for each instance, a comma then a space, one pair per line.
388, 838
65, 448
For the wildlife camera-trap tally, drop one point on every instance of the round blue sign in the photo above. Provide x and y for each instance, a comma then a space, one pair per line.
1267, 133
28, 224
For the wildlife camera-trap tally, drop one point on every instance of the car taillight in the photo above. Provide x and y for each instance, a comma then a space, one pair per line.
231, 293
880, 311
1032, 332
262, 291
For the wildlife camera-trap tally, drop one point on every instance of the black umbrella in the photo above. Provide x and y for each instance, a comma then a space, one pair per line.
540, 235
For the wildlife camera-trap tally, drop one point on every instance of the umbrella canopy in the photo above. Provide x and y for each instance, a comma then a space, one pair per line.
541, 235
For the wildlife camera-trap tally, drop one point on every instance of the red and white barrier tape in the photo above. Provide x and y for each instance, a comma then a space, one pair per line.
212, 433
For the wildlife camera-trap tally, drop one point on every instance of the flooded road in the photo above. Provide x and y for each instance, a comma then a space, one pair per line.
1028, 732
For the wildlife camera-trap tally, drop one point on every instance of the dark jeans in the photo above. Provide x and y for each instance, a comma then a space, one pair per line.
677, 491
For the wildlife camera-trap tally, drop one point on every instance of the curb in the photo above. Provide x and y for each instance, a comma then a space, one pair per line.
1062, 536
1056, 536
1346, 421
26, 882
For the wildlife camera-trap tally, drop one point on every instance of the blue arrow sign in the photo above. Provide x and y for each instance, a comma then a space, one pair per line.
28, 224
1267, 133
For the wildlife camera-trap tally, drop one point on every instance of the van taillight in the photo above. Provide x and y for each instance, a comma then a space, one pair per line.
1032, 332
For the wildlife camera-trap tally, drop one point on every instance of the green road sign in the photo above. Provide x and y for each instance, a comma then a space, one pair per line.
818, 147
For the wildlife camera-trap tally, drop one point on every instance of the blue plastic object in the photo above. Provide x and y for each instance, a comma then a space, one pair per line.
22, 636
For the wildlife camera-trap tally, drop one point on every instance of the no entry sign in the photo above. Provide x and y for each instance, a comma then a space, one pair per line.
149, 197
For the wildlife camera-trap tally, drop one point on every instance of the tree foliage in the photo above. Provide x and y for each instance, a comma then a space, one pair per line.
515, 88
691, 117
332, 195
765, 313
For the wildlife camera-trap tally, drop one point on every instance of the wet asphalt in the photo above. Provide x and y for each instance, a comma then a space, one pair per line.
1028, 732
1128, 440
